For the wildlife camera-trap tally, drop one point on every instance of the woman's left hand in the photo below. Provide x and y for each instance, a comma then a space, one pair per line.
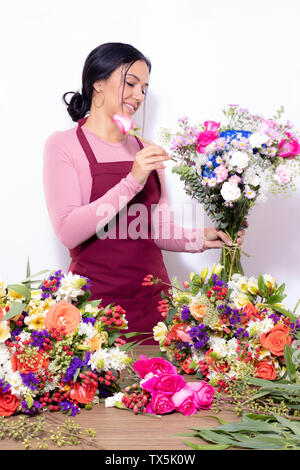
214, 238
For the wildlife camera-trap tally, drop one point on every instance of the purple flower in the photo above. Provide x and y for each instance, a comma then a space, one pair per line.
4, 386
34, 408
75, 364
38, 338
69, 408
185, 313
30, 380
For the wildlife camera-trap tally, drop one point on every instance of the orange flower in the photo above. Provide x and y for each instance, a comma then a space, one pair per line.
185, 366
83, 392
29, 361
198, 311
250, 311
63, 316
180, 332
215, 364
276, 339
265, 370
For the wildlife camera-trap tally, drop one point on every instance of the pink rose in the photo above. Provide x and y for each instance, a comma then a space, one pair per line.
289, 148
203, 394
160, 404
235, 179
212, 126
124, 123
155, 365
221, 173
283, 174
167, 384
207, 136
184, 401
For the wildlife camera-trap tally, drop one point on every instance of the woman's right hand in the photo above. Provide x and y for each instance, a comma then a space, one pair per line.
148, 159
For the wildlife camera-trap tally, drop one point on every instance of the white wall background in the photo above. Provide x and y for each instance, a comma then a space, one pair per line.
204, 56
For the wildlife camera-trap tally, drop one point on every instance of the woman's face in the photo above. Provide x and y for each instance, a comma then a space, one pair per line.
135, 87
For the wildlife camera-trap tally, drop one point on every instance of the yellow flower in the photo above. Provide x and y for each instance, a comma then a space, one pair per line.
217, 268
253, 287
35, 321
4, 331
160, 331
14, 296
270, 281
240, 300
204, 274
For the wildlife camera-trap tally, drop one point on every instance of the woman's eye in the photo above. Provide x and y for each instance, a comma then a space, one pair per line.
132, 84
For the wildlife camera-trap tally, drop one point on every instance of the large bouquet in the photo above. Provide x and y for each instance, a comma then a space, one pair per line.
58, 350
229, 167
226, 331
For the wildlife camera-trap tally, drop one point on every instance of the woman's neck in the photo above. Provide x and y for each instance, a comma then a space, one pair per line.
104, 128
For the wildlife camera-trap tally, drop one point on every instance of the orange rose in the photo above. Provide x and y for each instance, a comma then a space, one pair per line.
198, 311
217, 365
185, 366
250, 311
265, 370
276, 339
29, 361
9, 403
180, 332
63, 316
83, 392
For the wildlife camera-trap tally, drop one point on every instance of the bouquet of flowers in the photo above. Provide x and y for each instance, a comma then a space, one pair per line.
227, 331
58, 350
231, 166
161, 390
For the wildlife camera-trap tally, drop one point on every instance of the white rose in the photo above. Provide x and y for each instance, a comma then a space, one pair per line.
238, 159
230, 191
257, 139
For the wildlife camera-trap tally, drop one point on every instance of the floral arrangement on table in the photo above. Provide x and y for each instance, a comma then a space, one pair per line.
58, 350
161, 390
227, 331
230, 166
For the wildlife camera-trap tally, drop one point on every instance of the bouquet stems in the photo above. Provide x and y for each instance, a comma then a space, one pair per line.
231, 260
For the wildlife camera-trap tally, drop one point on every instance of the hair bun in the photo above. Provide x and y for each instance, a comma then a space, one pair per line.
77, 106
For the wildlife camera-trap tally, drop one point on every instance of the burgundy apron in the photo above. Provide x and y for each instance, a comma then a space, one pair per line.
117, 267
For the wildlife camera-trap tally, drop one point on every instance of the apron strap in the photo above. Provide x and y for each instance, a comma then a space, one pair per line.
85, 144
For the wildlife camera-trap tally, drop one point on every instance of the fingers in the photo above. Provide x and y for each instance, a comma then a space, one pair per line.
226, 239
213, 244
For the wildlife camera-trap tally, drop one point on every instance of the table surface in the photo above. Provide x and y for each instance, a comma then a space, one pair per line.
123, 430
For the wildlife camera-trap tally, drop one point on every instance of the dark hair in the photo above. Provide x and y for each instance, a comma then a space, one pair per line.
99, 65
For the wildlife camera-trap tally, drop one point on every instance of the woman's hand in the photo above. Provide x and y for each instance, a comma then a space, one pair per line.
214, 238
148, 159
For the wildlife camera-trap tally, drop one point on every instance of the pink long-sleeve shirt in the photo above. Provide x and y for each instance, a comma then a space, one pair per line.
67, 186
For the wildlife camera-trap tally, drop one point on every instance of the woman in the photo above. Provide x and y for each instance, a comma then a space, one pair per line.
92, 167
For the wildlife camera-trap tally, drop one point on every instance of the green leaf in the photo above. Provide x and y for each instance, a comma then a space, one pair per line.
291, 368
21, 289
276, 298
294, 426
263, 288
170, 316
76, 374
283, 310
206, 446
16, 308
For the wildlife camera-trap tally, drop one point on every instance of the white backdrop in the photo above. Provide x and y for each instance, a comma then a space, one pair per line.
204, 55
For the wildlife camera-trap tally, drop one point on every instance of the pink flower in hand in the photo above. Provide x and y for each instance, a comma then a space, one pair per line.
289, 148
203, 394
184, 401
124, 123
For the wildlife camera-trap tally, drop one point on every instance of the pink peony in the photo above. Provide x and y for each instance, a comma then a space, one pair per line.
203, 394
283, 174
184, 401
207, 136
124, 123
155, 365
167, 384
160, 404
235, 179
289, 148
221, 172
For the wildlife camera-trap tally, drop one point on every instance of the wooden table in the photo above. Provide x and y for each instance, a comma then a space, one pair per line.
123, 430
